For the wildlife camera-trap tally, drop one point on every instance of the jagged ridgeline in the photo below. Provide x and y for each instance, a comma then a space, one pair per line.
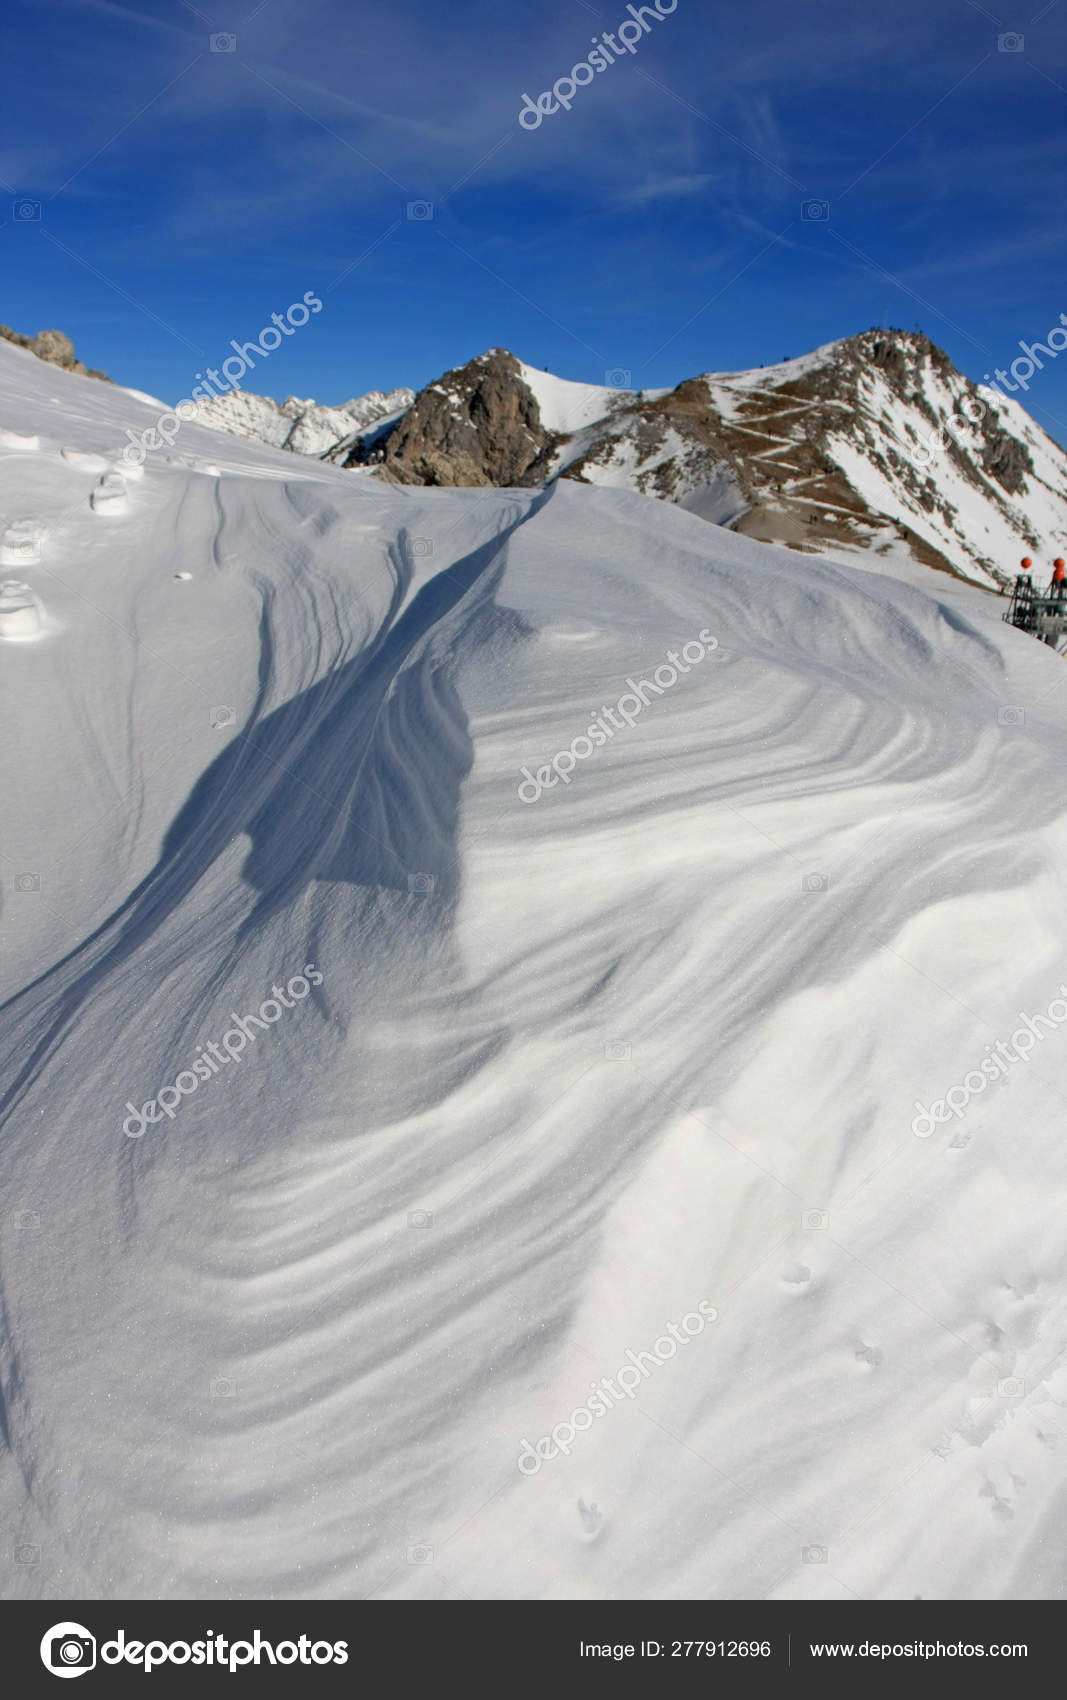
876, 442
873, 444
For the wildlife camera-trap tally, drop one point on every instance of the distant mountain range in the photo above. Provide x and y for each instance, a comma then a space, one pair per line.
873, 444
305, 427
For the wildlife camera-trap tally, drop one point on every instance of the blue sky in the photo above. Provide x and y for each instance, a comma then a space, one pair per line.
657, 227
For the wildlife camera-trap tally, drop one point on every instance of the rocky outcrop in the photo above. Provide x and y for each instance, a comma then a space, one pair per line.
55, 348
1006, 459
479, 424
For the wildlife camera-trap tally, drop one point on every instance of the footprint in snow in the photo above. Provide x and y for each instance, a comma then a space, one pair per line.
1001, 1508
20, 611
872, 1355
16, 440
85, 461
592, 1519
20, 545
796, 1275
110, 497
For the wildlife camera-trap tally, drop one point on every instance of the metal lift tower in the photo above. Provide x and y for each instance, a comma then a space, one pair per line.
1042, 613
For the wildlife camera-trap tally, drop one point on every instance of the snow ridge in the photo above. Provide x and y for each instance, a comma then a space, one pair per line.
573, 1069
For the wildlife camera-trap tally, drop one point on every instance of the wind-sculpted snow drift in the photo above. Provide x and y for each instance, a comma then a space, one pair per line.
576, 1073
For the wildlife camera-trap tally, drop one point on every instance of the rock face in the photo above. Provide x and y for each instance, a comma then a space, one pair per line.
871, 443
54, 348
479, 424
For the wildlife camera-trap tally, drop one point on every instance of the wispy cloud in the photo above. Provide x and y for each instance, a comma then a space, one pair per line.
668, 188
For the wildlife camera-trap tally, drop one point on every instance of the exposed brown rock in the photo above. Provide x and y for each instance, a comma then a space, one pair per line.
55, 349
479, 424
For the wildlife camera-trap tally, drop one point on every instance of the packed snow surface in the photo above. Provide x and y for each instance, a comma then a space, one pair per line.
609, 1083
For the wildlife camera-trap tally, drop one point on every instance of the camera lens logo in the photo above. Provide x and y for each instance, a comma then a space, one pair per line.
68, 1649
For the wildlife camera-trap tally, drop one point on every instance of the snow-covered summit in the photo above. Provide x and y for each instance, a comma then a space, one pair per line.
870, 442
305, 427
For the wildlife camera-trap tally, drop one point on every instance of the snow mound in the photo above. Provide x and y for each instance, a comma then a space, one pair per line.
372, 1126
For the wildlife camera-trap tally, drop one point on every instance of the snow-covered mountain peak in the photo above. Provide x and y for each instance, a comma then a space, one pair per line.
870, 442
305, 426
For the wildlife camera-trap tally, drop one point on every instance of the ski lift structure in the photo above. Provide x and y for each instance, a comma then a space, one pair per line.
1042, 613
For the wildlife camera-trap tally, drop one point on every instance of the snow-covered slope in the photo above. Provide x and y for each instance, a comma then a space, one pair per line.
304, 427
567, 407
584, 1108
